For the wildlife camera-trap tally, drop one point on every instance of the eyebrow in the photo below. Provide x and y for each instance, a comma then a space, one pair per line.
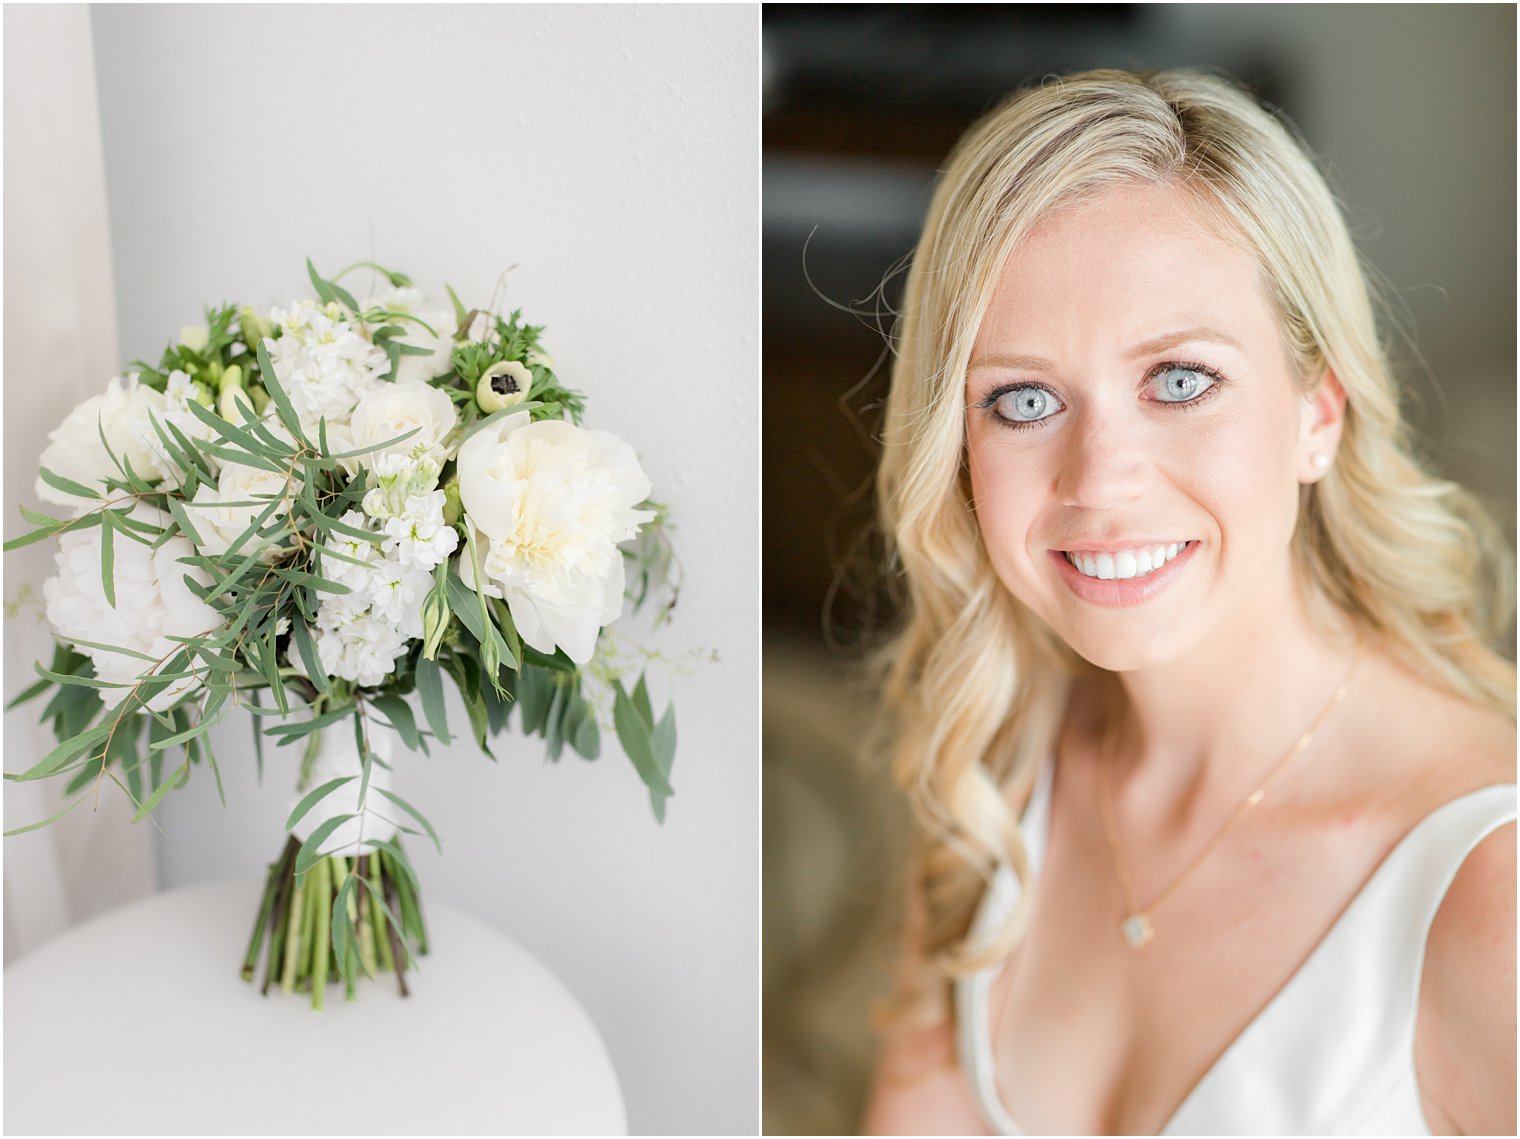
1021, 362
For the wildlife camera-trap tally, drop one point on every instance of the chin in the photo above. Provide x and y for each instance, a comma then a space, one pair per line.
1123, 646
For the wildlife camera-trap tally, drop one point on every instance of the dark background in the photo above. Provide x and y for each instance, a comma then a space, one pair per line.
1411, 109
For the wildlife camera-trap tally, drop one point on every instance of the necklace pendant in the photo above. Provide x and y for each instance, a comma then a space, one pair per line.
1137, 930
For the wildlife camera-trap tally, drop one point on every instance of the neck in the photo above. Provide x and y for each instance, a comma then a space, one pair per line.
1211, 723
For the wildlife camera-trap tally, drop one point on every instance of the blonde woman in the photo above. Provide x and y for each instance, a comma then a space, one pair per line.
1195, 702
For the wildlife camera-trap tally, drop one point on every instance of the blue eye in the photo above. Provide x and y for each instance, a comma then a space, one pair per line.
1180, 383
1025, 404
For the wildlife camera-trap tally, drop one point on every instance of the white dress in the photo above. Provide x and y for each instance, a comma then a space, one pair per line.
1333, 1052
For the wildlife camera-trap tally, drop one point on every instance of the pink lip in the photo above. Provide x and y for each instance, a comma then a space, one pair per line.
1116, 594
1121, 544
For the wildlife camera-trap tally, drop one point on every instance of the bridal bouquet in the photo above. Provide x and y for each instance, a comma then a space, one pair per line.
312, 513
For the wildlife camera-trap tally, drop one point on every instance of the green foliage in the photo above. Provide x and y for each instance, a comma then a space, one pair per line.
268, 586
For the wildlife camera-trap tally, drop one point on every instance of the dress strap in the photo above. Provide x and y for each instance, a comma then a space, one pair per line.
972, 1017
1340, 1033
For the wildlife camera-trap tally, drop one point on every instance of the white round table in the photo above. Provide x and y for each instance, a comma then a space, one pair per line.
137, 1023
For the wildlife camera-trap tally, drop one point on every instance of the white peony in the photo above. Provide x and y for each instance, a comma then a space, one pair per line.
391, 410
122, 413
550, 502
219, 515
153, 603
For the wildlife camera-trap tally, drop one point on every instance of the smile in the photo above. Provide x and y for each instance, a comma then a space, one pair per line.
1122, 565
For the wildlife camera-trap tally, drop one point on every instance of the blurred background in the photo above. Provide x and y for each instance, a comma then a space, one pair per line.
1411, 109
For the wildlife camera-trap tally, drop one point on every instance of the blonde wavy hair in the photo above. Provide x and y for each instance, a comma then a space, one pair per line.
976, 685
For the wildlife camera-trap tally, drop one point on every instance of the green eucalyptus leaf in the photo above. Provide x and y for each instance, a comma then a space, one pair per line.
312, 798
416, 814
308, 854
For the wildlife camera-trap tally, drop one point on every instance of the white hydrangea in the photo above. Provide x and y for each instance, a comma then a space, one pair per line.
323, 362
153, 603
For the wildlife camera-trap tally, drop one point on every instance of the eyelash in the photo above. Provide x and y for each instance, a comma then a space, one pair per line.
989, 401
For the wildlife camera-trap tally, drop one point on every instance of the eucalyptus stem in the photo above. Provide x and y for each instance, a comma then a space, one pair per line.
293, 937
351, 951
320, 941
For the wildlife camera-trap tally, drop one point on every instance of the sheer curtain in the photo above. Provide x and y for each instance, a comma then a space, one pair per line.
60, 348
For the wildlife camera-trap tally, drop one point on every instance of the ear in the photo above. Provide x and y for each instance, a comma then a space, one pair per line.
1322, 414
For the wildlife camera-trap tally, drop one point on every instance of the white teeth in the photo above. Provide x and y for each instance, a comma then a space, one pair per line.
1126, 563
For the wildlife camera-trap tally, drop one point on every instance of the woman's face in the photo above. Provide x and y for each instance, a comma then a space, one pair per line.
1136, 440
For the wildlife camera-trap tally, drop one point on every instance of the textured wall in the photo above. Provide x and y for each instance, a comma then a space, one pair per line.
609, 152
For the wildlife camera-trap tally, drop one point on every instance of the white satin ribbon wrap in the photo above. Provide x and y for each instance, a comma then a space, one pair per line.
338, 756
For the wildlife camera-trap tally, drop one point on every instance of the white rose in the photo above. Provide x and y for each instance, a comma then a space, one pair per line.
153, 603
242, 493
391, 410
550, 502
122, 412
439, 342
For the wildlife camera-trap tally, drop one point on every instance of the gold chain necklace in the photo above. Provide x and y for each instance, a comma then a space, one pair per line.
1137, 927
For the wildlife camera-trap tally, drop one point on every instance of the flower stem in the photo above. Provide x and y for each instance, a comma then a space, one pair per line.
381, 922
398, 951
278, 923
367, 955
322, 894
256, 938
293, 945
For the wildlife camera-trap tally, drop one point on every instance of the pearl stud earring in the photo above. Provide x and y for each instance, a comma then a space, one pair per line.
1320, 460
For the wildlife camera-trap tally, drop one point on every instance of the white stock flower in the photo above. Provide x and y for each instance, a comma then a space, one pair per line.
391, 410
360, 634
397, 478
219, 515
122, 413
418, 536
322, 362
551, 501
152, 603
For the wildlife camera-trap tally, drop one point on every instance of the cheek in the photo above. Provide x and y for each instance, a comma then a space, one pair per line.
1246, 472
1006, 491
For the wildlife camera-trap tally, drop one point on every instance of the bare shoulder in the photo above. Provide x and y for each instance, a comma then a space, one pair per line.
918, 1088
1448, 746
1465, 1042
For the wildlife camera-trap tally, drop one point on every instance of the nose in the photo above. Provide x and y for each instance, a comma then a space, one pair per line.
1103, 464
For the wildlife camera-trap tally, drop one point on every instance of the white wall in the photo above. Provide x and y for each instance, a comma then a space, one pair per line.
60, 325
611, 153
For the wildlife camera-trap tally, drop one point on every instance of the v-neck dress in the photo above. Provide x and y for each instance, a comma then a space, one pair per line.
1333, 1052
